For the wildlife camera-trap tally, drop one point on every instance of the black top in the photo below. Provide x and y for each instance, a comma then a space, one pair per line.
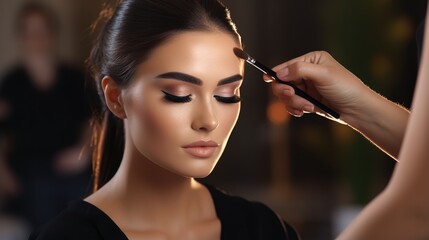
40, 123
240, 219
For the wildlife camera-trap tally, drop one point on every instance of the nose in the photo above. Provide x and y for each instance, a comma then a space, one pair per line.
205, 119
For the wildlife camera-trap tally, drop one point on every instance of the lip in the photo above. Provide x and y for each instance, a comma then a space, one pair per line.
201, 149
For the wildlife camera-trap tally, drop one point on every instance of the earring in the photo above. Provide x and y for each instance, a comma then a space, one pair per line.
115, 106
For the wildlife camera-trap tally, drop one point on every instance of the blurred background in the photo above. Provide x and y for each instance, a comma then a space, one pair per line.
315, 173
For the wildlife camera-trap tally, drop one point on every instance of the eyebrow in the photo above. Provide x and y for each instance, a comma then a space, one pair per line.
234, 78
194, 80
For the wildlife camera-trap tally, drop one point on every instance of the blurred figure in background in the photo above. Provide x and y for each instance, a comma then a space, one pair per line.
43, 125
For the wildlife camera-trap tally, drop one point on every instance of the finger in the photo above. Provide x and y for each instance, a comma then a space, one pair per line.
267, 78
290, 100
296, 112
299, 71
297, 103
287, 94
286, 64
315, 57
282, 90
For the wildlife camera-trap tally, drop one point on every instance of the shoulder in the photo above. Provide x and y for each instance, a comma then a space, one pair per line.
13, 77
70, 69
254, 217
14, 71
15, 80
80, 221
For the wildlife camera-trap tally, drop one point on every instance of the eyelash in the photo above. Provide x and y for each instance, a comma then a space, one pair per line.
177, 99
184, 99
228, 100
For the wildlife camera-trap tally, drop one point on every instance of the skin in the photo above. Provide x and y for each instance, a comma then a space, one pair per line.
38, 46
155, 170
36, 37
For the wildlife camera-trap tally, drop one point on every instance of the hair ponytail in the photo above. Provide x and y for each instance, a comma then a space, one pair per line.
108, 147
107, 136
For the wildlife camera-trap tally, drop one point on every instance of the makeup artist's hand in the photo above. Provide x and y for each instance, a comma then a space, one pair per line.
322, 77
9, 184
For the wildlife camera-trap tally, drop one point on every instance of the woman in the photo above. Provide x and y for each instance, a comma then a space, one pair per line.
44, 121
170, 89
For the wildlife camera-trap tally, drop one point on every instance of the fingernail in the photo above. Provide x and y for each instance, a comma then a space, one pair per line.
287, 92
283, 73
308, 108
298, 113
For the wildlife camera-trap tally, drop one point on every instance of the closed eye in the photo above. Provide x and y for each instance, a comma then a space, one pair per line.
176, 99
184, 99
228, 100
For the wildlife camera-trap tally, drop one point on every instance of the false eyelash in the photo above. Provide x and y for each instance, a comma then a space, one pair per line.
228, 100
177, 99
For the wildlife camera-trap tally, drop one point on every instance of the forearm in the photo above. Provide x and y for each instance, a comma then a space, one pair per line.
381, 121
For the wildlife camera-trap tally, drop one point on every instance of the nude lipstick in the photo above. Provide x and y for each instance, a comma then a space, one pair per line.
243, 55
201, 149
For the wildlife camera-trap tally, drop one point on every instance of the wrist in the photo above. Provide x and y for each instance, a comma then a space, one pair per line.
365, 111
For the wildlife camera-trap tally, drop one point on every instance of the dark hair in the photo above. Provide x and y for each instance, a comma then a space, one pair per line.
32, 8
131, 32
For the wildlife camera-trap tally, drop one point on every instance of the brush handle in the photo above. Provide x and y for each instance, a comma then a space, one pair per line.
298, 91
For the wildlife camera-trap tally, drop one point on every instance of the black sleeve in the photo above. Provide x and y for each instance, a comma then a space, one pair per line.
7, 89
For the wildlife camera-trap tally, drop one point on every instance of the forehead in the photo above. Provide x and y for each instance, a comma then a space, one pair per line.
197, 53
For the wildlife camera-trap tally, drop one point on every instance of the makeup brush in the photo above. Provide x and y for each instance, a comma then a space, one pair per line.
243, 55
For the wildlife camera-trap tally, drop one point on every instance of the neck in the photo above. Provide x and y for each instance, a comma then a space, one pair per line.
150, 195
139, 179
42, 70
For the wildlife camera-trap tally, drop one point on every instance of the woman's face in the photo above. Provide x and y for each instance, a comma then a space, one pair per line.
36, 36
184, 102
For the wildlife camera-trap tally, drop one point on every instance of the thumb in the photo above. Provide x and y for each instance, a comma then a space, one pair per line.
304, 71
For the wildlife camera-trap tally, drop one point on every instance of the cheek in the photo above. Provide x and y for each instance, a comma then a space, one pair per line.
228, 116
154, 123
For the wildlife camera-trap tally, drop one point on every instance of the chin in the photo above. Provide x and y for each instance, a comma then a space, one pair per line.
201, 175
200, 171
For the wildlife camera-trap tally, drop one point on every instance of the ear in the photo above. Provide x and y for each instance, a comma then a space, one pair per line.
112, 96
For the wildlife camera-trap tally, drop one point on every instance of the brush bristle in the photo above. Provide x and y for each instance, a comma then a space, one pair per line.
241, 54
